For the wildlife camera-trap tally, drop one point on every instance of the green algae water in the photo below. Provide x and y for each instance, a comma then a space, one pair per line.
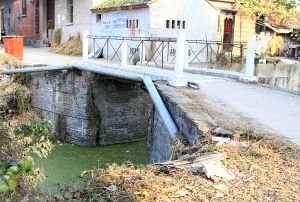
65, 163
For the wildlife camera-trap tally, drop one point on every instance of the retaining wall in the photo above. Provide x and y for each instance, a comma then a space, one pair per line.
285, 76
88, 109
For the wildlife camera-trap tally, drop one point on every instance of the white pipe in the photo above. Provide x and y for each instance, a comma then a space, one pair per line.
158, 102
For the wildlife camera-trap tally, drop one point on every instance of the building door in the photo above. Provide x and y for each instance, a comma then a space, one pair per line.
228, 31
2, 18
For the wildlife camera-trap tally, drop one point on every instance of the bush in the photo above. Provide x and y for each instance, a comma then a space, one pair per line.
17, 143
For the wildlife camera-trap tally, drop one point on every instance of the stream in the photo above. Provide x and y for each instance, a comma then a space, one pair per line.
66, 162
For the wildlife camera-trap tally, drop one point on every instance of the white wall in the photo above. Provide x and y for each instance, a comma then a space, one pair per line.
201, 21
201, 18
114, 24
82, 19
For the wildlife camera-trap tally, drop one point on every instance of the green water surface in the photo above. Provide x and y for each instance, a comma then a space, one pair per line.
65, 163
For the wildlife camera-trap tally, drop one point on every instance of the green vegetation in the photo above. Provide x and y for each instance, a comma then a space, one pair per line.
17, 143
92, 110
277, 12
117, 3
136, 59
65, 163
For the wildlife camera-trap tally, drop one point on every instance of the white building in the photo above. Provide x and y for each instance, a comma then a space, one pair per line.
73, 16
157, 18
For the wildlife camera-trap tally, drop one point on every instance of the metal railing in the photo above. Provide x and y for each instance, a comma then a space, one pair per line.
160, 51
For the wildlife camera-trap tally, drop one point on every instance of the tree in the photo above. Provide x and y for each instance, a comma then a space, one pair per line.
276, 12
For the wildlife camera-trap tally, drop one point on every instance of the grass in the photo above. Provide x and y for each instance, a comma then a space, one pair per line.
65, 163
117, 3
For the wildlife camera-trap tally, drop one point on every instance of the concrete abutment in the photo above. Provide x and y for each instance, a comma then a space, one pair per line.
90, 109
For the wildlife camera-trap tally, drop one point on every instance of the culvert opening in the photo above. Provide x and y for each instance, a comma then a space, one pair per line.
98, 120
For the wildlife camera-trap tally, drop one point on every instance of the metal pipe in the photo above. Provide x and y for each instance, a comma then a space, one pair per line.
37, 69
158, 102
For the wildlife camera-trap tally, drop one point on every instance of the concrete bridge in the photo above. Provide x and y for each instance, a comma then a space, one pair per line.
97, 103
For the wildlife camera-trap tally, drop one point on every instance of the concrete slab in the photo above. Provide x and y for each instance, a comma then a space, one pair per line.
230, 102
263, 109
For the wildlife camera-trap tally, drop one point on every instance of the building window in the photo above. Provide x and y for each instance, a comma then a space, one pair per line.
178, 24
183, 25
98, 18
137, 23
24, 7
8, 10
70, 10
173, 24
168, 24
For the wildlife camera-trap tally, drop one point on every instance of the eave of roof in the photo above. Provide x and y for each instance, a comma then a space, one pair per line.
130, 6
279, 30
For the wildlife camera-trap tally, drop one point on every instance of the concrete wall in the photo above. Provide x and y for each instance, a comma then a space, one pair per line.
87, 109
286, 76
82, 18
191, 121
8, 8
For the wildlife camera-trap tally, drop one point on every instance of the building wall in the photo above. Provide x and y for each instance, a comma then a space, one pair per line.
152, 23
82, 18
25, 24
114, 23
200, 17
8, 6
243, 27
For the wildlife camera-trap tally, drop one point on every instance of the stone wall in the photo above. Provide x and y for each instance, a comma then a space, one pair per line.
189, 117
284, 76
89, 109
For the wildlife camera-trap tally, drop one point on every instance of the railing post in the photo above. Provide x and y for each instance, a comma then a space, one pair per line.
124, 54
180, 61
242, 53
142, 50
249, 70
85, 45
180, 55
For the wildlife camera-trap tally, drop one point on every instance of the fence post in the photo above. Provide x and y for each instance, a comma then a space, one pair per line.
142, 50
124, 54
249, 70
180, 55
180, 62
85, 45
242, 53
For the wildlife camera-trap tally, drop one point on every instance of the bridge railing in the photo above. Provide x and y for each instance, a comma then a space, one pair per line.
161, 52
